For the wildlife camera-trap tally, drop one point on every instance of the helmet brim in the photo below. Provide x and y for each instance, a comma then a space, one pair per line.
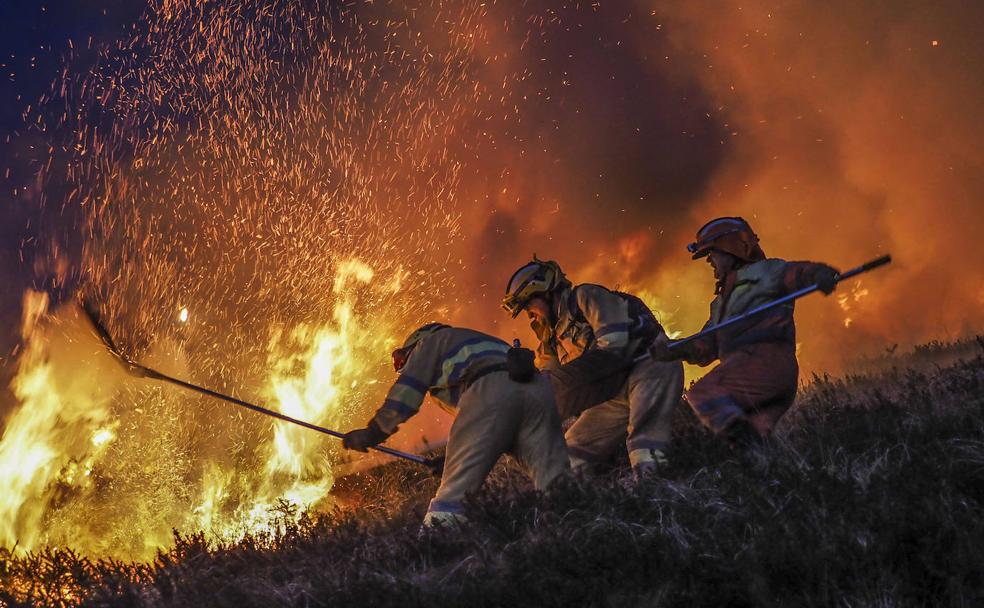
513, 308
701, 253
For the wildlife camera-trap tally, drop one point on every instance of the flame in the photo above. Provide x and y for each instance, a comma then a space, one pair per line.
850, 299
314, 369
68, 437
50, 443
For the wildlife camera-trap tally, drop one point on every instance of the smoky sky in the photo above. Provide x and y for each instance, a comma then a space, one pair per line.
610, 137
610, 131
602, 130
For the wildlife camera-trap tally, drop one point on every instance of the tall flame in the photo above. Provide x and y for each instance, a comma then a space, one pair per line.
62, 458
52, 441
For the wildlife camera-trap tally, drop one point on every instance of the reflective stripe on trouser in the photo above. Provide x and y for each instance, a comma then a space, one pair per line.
497, 416
641, 416
756, 382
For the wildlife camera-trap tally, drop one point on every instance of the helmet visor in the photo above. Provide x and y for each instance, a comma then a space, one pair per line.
513, 306
523, 285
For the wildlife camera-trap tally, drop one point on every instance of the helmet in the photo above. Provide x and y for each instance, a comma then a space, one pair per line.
401, 354
728, 234
532, 279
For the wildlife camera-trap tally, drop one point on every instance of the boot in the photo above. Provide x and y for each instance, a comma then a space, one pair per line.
742, 436
646, 462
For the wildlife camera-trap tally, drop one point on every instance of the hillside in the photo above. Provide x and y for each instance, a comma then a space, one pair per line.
872, 493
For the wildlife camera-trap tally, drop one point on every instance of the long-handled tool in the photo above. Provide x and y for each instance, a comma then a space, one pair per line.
871, 265
597, 376
141, 371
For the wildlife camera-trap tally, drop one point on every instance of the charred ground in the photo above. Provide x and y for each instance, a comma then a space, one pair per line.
872, 494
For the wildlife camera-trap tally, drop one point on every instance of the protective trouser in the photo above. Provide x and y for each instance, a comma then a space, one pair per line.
755, 382
641, 416
497, 416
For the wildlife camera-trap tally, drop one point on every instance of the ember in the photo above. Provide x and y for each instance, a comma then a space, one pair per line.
271, 193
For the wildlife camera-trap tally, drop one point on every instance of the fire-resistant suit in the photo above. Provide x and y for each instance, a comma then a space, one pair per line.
588, 317
757, 376
465, 371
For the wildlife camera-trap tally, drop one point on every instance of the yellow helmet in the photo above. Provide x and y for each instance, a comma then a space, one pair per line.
530, 280
401, 354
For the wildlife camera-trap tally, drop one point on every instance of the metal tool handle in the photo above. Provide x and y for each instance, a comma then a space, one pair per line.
142, 371
870, 265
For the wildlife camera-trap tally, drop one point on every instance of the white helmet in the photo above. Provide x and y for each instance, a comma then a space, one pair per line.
530, 280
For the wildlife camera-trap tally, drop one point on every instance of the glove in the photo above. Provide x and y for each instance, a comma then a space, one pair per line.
361, 440
659, 350
826, 279
543, 331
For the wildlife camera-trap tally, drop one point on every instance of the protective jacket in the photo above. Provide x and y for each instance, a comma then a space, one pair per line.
758, 374
742, 290
465, 371
591, 316
441, 364
638, 414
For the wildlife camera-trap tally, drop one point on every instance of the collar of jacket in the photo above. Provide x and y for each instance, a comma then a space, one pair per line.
726, 284
561, 310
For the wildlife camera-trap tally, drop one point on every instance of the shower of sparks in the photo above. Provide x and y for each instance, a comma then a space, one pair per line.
284, 168
274, 191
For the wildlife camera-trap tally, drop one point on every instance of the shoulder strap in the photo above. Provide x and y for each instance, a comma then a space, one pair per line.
573, 307
644, 322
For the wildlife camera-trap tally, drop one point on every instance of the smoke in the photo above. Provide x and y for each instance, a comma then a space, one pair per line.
841, 132
268, 188
600, 147
854, 131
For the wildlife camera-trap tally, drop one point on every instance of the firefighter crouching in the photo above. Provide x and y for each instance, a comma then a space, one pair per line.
467, 371
571, 321
756, 381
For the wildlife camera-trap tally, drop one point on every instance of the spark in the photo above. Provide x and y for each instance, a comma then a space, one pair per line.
283, 165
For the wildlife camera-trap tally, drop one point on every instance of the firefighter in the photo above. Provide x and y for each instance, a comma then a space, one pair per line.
756, 381
570, 321
466, 371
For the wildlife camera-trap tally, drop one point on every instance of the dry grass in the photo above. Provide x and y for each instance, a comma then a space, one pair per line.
870, 495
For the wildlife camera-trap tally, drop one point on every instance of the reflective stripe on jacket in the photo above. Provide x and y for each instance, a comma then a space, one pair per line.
587, 316
439, 364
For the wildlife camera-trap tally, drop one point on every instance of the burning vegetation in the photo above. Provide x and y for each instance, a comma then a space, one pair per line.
263, 197
265, 194
869, 495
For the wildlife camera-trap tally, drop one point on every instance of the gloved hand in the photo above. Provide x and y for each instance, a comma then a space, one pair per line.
659, 350
361, 440
826, 279
543, 331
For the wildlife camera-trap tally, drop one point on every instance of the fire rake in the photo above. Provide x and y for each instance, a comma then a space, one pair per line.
847, 274
597, 376
141, 371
